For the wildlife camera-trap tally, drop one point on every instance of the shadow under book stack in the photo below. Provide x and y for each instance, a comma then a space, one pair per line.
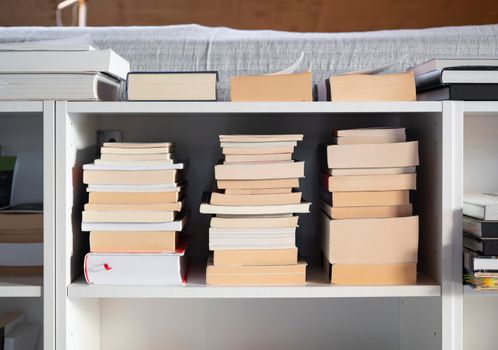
369, 233
253, 230
135, 216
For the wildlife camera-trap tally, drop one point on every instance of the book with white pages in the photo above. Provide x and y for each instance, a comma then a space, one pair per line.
73, 43
137, 157
276, 241
133, 162
173, 187
261, 138
105, 61
258, 144
483, 206
302, 207
176, 225
371, 171
136, 269
251, 231
136, 151
138, 144
133, 167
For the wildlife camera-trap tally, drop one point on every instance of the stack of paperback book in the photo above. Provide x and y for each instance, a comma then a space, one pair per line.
369, 233
480, 240
134, 215
253, 230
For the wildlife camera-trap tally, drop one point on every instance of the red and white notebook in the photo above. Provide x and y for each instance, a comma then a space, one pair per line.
136, 269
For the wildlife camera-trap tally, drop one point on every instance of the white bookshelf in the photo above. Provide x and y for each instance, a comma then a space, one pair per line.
412, 316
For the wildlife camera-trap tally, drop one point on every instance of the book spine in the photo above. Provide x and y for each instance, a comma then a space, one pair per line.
428, 81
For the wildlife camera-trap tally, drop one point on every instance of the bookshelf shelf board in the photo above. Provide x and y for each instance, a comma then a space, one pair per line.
21, 107
123, 108
16, 287
476, 108
317, 287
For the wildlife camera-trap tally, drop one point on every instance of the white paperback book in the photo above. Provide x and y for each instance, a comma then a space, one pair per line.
252, 241
482, 206
172, 187
136, 269
104, 61
176, 226
120, 167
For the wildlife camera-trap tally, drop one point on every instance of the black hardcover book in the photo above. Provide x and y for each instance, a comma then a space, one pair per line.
463, 92
480, 228
437, 78
485, 246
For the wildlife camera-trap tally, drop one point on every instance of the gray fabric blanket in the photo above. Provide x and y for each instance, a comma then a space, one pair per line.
235, 52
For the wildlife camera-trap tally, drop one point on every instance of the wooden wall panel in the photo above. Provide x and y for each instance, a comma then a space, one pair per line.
292, 15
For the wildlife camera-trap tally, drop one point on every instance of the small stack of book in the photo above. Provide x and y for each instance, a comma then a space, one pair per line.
253, 230
480, 241
369, 233
134, 215
21, 240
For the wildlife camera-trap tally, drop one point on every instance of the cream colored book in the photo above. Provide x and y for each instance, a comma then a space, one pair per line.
256, 275
265, 171
257, 184
255, 199
303, 207
374, 274
128, 216
254, 222
138, 144
151, 150
134, 197
137, 157
370, 241
243, 158
372, 171
369, 198
133, 241
176, 206
261, 138
258, 144
259, 191
370, 132
254, 151
387, 155
372, 183
255, 257
367, 212
355, 140
124, 177
134, 162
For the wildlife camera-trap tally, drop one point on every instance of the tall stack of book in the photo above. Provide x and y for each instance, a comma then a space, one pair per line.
59, 70
134, 215
21, 240
480, 240
253, 230
369, 233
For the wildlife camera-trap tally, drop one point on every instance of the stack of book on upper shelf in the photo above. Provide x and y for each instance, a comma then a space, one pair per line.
16, 333
369, 234
134, 215
253, 232
50, 70
21, 240
457, 79
480, 240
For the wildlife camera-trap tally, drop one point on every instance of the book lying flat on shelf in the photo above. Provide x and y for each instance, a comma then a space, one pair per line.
135, 157
176, 225
371, 171
371, 132
252, 241
144, 167
367, 87
240, 158
482, 206
254, 257
256, 150
256, 275
374, 274
473, 262
260, 171
481, 228
370, 183
254, 221
61, 86
134, 197
128, 216
125, 177
258, 191
461, 92
255, 199
387, 155
256, 184
261, 138
172, 86
370, 241
367, 211
133, 242
369, 139
441, 63
302, 207
170, 187
263, 144
484, 246
175, 206
272, 88
140, 150
136, 269
366, 198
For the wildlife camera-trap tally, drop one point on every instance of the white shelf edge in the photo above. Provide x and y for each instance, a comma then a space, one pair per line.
480, 107
21, 106
127, 107
80, 289
20, 287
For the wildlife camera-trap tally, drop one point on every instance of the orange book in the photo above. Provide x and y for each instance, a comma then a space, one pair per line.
253, 184
259, 191
389, 211
175, 206
260, 171
272, 88
369, 198
235, 257
381, 274
133, 242
125, 177
243, 158
133, 197
370, 182
255, 199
